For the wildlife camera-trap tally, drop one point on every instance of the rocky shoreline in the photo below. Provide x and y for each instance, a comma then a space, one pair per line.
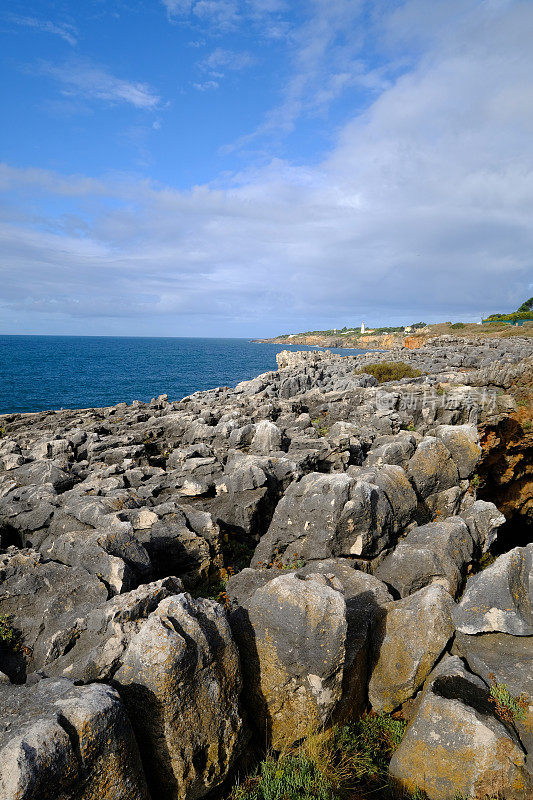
184, 584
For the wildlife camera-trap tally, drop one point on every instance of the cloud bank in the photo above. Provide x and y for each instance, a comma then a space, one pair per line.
422, 209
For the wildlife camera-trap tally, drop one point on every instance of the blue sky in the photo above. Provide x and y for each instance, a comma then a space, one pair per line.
245, 167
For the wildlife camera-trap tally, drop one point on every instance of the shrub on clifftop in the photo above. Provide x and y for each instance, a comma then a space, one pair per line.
389, 371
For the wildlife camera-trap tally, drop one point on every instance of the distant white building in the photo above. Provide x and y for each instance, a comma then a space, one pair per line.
362, 327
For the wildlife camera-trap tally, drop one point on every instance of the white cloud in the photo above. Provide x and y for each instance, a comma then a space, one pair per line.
422, 210
220, 14
64, 30
206, 86
221, 59
84, 79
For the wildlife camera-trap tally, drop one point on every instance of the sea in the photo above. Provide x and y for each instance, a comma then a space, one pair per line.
40, 373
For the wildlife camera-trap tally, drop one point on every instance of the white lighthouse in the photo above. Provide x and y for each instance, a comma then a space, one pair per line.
362, 327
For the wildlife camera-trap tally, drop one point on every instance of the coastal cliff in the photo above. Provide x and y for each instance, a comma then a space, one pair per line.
184, 585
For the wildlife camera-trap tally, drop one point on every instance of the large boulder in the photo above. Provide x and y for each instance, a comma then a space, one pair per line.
325, 515
409, 637
456, 746
267, 438
58, 740
92, 645
504, 659
431, 468
483, 520
298, 663
174, 661
501, 597
117, 559
438, 552
180, 680
463, 443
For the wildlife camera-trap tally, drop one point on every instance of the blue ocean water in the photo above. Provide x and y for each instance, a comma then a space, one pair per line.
39, 373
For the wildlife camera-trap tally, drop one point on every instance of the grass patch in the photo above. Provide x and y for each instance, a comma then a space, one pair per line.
509, 708
389, 371
342, 762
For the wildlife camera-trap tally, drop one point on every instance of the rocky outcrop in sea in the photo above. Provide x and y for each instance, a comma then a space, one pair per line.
183, 584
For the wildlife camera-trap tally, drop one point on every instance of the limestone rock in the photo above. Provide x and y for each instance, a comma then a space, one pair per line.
322, 516
501, 597
71, 742
431, 468
483, 520
438, 552
292, 633
409, 637
463, 443
180, 681
456, 746
45, 599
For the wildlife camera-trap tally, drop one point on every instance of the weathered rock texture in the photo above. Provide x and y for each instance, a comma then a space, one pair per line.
349, 512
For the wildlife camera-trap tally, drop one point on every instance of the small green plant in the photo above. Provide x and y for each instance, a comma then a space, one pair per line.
2, 432
509, 708
527, 425
389, 371
475, 480
9, 636
486, 560
411, 427
319, 426
456, 325
440, 391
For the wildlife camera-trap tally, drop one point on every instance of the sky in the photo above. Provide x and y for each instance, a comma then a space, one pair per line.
254, 167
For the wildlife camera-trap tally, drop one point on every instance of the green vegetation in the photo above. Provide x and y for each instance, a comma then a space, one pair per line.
330, 764
9, 636
355, 331
486, 560
509, 708
389, 371
527, 305
525, 311
319, 425
475, 480
456, 325
2, 432
514, 317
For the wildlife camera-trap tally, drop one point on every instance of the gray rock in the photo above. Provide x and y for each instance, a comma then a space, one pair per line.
463, 443
117, 559
45, 599
456, 746
500, 598
71, 742
431, 469
409, 637
438, 552
331, 515
180, 680
267, 438
483, 520
299, 666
